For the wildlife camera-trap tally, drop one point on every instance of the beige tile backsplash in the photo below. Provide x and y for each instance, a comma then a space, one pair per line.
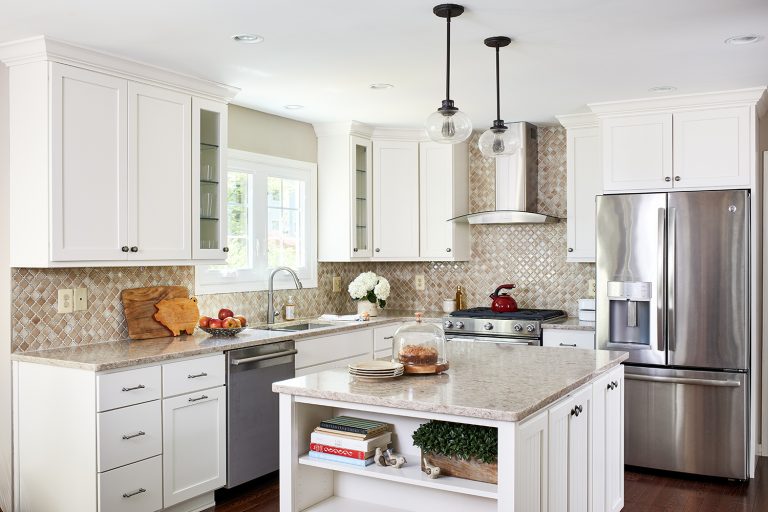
531, 256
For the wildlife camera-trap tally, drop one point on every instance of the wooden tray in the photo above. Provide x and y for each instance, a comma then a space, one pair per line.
425, 369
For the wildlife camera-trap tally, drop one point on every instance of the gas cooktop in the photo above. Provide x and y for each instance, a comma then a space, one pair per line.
521, 314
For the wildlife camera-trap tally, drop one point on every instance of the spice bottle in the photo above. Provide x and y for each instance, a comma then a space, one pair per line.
290, 309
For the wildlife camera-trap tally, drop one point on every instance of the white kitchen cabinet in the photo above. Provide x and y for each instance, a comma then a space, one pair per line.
395, 199
194, 444
209, 180
159, 173
531, 464
100, 166
572, 338
711, 148
345, 191
637, 152
608, 442
89, 198
569, 453
333, 350
443, 195
585, 183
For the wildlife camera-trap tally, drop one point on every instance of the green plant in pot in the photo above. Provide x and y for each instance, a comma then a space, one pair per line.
460, 450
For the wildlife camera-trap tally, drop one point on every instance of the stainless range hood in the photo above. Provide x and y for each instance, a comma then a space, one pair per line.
517, 185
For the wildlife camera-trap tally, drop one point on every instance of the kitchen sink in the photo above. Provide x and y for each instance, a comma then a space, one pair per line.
308, 326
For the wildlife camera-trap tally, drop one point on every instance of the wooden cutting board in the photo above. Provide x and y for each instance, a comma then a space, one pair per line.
178, 315
139, 305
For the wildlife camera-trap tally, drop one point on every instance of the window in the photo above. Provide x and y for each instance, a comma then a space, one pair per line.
272, 222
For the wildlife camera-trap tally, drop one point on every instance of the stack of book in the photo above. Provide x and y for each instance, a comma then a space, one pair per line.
349, 440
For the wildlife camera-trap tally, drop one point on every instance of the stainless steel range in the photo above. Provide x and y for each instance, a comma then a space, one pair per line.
523, 327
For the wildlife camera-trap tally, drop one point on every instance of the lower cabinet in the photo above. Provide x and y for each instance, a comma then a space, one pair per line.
572, 338
133, 488
333, 351
608, 439
195, 443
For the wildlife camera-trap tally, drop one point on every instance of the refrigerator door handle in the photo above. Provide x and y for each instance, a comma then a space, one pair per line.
671, 271
661, 311
683, 380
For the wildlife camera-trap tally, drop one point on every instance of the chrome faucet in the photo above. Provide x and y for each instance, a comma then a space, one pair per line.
271, 313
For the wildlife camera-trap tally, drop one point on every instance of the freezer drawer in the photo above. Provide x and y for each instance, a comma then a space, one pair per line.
688, 421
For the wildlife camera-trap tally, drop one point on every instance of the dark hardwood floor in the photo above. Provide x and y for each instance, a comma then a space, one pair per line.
643, 492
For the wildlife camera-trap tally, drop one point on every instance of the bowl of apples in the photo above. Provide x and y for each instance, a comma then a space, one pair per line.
226, 324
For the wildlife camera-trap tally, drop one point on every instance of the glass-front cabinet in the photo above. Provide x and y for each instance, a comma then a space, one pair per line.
362, 190
209, 180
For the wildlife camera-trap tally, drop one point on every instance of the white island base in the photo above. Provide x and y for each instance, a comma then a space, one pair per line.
553, 460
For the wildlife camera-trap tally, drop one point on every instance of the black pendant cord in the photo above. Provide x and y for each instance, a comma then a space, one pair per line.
448, 60
498, 94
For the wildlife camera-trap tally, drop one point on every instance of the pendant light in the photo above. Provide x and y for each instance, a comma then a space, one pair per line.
498, 140
448, 125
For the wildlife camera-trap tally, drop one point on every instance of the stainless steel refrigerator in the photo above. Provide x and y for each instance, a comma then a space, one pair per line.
673, 291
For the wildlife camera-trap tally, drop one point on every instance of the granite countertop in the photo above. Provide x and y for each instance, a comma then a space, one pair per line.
485, 380
570, 323
122, 354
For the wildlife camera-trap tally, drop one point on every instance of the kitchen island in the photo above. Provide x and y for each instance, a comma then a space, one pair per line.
559, 415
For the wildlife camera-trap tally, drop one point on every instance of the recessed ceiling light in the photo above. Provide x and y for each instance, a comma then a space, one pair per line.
293, 107
381, 86
663, 88
248, 38
745, 39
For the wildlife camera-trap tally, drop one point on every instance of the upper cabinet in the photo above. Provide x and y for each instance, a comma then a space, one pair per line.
693, 142
585, 183
389, 195
101, 161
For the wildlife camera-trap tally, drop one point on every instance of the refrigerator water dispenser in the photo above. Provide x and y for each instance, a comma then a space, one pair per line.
630, 311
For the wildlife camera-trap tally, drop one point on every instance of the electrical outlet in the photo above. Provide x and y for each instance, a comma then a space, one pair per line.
65, 303
418, 282
591, 291
81, 299
336, 284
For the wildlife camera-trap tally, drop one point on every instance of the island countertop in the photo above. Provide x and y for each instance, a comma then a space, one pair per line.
485, 380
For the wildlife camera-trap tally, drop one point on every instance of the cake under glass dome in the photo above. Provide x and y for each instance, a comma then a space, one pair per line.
420, 347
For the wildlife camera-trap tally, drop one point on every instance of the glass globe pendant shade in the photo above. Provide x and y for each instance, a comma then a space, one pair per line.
449, 127
496, 142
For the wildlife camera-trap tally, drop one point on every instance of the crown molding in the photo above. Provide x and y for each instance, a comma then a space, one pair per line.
43, 48
581, 120
750, 96
410, 134
343, 128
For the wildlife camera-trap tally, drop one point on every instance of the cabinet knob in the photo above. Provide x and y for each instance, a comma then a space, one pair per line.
354, 250
378, 250
570, 249
677, 178
225, 249
124, 248
134, 249
448, 249
667, 179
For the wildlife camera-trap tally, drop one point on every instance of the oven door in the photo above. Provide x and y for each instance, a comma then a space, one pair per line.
507, 340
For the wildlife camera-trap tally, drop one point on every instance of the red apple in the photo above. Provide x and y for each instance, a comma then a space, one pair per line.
231, 323
242, 320
225, 313
215, 323
204, 321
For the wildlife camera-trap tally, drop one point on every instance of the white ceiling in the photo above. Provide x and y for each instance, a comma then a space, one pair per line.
324, 54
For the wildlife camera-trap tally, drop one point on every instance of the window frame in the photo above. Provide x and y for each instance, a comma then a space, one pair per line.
209, 281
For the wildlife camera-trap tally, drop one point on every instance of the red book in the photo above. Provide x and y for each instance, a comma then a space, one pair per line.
341, 452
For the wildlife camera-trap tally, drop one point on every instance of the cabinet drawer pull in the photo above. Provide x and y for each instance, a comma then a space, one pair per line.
198, 399
389, 337
677, 178
201, 374
134, 493
137, 434
134, 249
567, 344
125, 248
667, 179
140, 386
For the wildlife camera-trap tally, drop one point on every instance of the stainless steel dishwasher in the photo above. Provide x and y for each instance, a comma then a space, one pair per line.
252, 409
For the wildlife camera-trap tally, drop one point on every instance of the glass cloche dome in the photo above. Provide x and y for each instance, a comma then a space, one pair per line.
420, 347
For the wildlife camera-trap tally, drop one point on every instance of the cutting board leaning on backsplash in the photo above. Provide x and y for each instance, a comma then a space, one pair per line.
159, 311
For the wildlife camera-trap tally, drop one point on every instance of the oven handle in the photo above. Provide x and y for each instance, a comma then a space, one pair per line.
480, 339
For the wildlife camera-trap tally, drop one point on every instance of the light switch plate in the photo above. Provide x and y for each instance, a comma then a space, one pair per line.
336, 284
418, 282
65, 302
81, 299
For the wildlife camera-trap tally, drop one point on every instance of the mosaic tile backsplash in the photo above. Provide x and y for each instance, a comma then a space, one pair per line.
531, 256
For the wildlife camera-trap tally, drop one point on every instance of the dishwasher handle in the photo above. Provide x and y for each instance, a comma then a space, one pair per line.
684, 380
274, 355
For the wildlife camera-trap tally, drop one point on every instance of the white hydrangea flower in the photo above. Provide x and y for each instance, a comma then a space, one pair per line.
382, 289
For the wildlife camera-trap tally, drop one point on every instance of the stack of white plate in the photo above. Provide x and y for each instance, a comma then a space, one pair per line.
376, 370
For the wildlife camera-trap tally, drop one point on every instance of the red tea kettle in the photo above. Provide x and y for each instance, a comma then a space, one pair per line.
503, 302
